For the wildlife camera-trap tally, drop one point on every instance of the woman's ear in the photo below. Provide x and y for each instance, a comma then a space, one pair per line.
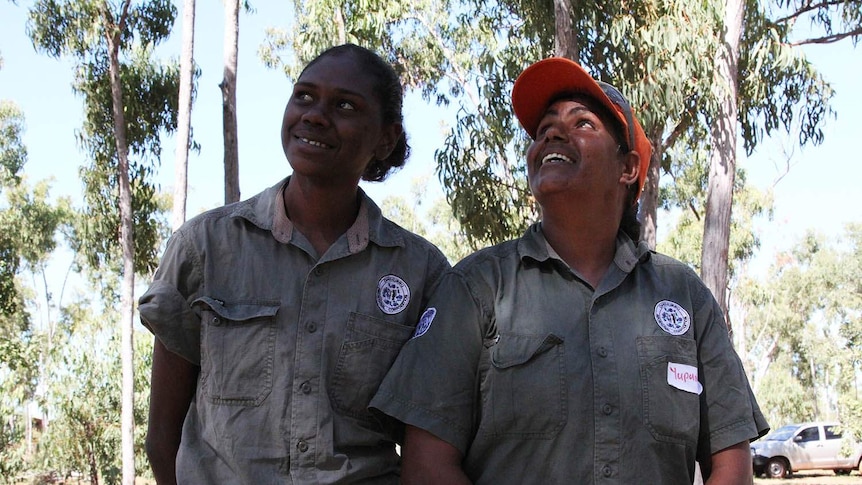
631, 168
388, 139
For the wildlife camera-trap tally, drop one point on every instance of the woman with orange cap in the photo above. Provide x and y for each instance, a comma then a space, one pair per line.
573, 354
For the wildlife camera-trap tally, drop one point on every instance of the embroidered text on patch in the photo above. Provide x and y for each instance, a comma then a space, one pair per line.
425, 322
671, 317
393, 294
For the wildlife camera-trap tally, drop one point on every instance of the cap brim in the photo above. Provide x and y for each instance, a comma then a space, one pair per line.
547, 80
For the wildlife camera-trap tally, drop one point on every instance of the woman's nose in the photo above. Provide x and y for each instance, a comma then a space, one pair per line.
554, 131
316, 115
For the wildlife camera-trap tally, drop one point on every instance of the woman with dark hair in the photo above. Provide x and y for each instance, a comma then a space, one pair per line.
277, 317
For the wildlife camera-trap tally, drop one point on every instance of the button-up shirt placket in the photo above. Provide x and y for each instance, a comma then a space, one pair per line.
307, 382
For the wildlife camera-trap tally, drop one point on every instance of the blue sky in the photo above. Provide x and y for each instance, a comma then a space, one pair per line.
819, 193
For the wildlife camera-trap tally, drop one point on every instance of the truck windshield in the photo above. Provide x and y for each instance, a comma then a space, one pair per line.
783, 433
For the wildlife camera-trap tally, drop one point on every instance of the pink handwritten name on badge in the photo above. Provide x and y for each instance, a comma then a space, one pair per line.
683, 377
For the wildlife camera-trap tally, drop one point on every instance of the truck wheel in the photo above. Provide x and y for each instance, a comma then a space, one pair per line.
776, 468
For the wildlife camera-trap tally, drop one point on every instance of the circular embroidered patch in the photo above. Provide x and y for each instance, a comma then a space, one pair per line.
393, 294
425, 322
672, 318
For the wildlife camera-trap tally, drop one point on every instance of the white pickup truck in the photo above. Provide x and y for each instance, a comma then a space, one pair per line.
805, 446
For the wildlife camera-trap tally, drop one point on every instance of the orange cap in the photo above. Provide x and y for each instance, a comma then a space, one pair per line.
550, 78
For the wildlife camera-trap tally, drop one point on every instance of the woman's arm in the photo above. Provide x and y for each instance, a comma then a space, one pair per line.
732, 466
428, 460
173, 385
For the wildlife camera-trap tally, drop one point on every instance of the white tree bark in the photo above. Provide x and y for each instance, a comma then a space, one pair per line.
127, 241
228, 90
564, 41
181, 159
722, 171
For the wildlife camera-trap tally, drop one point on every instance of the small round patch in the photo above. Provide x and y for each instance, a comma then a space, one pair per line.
672, 318
425, 322
393, 294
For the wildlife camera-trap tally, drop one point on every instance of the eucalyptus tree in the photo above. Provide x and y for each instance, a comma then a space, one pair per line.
228, 92
804, 331
29, 223
428, 216
764, 82
13, 155
17, 362
128, 101
660, 54
184, 114
85, 436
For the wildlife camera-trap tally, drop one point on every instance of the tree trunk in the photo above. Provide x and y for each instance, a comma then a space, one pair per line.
187, 67
564, 41
649, 197
722, 169
340, 27
228, 93
127, 242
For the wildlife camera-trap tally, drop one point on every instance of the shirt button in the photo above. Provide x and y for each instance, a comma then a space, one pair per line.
603, 352
607, 409
318, 271
305, 387
302, 446
215, 321
606, 471
311, 327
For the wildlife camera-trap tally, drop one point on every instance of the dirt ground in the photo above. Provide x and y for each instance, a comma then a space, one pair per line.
820, 477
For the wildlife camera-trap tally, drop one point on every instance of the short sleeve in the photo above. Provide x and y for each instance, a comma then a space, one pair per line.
432, 384
729, 411
166, 309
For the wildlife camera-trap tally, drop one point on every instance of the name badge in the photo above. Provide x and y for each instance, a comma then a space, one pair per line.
683, 377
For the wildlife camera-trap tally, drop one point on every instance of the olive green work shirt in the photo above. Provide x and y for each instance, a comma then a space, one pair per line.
538, 379
291, 346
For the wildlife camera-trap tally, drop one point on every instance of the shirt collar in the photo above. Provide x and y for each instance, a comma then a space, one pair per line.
535, 246
266, 210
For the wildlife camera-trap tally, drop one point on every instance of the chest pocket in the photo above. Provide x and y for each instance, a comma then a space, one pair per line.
671, 414
369, 349
237, 349
525, 387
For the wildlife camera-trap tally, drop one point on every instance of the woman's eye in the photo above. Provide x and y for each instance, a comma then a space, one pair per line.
301, 96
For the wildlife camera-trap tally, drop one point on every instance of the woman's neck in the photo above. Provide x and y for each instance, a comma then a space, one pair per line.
322, 213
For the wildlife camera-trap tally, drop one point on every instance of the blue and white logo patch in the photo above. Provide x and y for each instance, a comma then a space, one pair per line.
393, 294
425, 322
672, 318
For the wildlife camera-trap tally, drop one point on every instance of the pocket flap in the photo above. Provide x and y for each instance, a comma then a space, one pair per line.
238, 312
513, 349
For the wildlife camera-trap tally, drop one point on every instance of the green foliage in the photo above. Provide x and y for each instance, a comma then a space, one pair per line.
777, 84
659, 53
79, 28
18, 356
13, 153
432, 220
685, 238
803, 325
153, 109
28, 224
84, 397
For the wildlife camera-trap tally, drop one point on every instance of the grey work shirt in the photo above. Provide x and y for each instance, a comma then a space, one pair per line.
536, 378
291, 346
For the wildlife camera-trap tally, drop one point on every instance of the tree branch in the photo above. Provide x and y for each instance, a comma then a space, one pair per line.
828, 39
808, 8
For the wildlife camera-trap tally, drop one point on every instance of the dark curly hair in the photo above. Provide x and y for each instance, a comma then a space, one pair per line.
390, 94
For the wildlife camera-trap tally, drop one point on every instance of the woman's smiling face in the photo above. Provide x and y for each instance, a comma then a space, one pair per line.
332, 125
575, 153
